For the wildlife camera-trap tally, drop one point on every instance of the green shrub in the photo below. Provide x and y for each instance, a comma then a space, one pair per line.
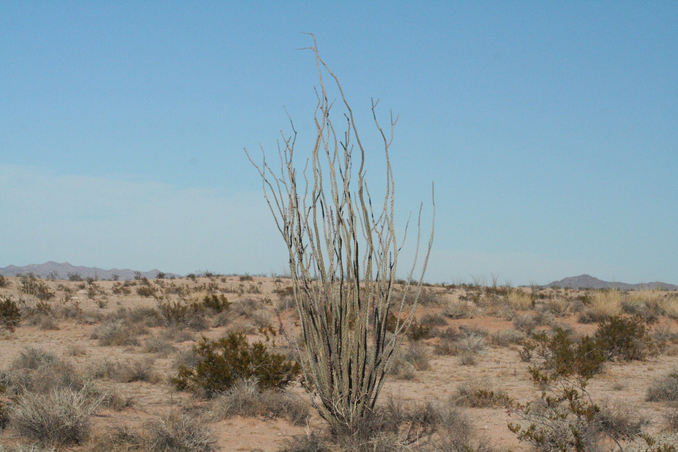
224, 361
217, 303
179, 314
479, 394
625, 338
31, 285
10, 316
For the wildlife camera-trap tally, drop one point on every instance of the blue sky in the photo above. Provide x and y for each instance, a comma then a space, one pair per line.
549, 128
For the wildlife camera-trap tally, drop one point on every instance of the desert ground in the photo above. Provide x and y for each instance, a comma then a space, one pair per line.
114, 347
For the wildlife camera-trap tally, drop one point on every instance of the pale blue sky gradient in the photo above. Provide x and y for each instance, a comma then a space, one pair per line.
549, 128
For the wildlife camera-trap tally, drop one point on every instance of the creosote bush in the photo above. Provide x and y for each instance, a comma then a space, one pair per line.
10, 315
222, 362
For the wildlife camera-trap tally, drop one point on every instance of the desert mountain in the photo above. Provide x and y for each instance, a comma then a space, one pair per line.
589, 282
63, 270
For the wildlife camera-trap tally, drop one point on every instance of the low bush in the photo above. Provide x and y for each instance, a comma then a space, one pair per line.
507, 337
10, 315
217, 303
245, 398
480, 394
224, 361
469, 345
31, 285
4, 282
178, 433
664, 389
35, 370
60, 418
624, 338
117, 332
183, 315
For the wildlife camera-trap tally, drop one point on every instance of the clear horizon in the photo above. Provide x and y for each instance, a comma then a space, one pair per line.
550, 131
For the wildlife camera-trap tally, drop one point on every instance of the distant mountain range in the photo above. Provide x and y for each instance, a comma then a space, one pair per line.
63, 270
589, 282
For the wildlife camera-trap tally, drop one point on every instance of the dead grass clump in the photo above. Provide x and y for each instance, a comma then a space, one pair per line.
664, 389
4, 282
59, 418
246, 399
480, 394
603, 304
519, 300
26, 448
117, 332
178, 433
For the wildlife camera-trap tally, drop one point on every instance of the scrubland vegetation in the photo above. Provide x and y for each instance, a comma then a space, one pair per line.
203, 363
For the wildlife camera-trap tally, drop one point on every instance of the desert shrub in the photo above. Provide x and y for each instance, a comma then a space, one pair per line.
409, 360
178, 433
4, 282
415, 332
625, 338
562, 422
480, 394
158, 345
671, 417
183, 315
507, 337
224, 361
26, 448
433, 320
117, 332
619, 422
393, 427
35, 370
10, 315
217, 303
469, 345
124, 372
524, 322
560, 355
459, 310
146, 291
664, 389
30, 285
245, 398
118, 439
59, 418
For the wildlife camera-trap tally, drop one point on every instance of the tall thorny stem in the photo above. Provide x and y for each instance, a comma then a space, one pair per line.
343, 258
